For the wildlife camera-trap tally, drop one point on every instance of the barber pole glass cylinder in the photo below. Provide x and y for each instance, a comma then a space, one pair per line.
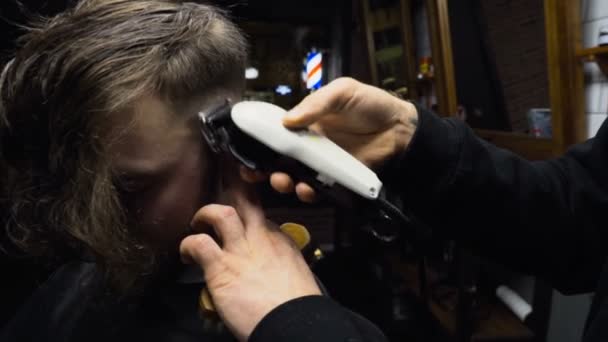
314, 70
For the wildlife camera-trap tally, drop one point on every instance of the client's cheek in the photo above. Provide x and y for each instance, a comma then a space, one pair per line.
155, 218
165, 218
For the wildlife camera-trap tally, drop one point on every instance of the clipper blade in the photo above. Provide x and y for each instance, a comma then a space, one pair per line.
212, 123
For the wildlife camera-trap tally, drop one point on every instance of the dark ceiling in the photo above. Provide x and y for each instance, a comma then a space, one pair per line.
268, 10
293, 12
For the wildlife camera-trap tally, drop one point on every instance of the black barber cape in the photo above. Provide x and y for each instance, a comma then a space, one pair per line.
549, 218
71, 306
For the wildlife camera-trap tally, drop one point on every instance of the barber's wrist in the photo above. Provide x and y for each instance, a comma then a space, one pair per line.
406, 128
293, 319
402, 134
430, 160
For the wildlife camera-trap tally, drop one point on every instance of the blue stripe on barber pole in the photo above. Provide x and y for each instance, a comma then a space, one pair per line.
314, 70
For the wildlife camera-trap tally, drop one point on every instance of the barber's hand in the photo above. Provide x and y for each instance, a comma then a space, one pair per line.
257, 267
366, 121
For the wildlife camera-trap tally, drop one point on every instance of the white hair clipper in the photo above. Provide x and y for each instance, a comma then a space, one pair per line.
253, 133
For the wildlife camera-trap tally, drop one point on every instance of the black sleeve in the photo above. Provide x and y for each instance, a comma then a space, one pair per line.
52, 311
543, 217
314, 319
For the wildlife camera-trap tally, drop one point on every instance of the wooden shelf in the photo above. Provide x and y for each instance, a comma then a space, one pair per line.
527, 146
597, 54
592, 53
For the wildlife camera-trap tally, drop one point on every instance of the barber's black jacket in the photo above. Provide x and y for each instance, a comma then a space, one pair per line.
549, 218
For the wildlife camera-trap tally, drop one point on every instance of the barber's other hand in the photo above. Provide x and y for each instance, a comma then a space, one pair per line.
257, 267
366, 121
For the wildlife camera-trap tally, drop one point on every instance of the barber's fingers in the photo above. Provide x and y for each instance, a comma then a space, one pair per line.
282, 182
247, 204
241, 196
330, 99
251, 176
305, 193
226, 223
201, 249
236, 192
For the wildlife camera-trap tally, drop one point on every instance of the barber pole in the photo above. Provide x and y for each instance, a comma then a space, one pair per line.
314, 70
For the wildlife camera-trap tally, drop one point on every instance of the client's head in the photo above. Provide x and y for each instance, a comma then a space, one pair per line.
100, 144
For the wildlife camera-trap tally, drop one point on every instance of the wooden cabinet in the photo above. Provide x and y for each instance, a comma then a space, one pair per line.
405, 23
562, 50
564, 76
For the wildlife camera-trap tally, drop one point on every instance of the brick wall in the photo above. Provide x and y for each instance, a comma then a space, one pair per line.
516, 40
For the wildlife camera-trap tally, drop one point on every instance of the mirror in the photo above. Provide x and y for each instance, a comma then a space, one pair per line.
398, 39
390, 45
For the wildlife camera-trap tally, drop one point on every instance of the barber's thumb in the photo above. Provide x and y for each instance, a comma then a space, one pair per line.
301, 116
200, 249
